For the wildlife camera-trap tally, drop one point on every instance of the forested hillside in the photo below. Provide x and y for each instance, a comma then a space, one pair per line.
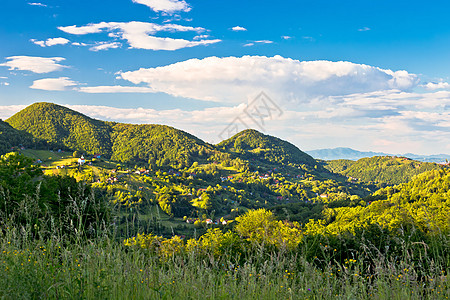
422, 203
58, 124
380, 169
255, 145
157, 144
10, 137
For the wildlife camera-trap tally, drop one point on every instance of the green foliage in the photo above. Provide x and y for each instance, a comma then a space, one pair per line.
46, 204
157, 144
422, 204
11, 137
381, 169
76, 154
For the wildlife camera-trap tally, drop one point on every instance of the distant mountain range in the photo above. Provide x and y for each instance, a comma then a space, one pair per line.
348, 153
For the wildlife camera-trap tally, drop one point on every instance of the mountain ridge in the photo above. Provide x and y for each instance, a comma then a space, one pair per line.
150, 143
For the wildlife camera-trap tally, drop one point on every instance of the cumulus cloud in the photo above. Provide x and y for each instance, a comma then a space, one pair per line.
34, 64
115, 89
4, 83
53, 84
239, 28
437, 86
165, 6
286, 37
99, 46
140, 35
233, 79
51, 42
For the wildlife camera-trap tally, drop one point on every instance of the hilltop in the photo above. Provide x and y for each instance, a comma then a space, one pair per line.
252, 144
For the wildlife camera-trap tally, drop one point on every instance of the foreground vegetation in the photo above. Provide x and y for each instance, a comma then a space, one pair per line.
102, 268
49, 252
157, 213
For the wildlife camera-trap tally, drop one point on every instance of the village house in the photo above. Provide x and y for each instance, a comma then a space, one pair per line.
81, 161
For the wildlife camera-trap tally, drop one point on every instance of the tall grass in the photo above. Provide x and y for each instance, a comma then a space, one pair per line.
103, 268
45, 262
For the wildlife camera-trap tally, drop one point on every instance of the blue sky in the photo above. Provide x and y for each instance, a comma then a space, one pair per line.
372, 75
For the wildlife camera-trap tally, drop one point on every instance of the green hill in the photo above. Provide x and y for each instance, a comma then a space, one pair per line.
255, 145
381, 169
157, 144
11, 137
161, 145
58, 124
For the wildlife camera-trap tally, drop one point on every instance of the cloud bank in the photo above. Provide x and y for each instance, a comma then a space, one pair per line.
232, 79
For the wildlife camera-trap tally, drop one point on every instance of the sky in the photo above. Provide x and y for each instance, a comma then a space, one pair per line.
370, 75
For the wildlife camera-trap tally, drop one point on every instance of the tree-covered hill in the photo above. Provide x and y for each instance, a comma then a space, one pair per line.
424, 203
381, 169
255, 145
11, 137
58, 124
157, 144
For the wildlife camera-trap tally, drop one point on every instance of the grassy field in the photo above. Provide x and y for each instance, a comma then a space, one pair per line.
103, 269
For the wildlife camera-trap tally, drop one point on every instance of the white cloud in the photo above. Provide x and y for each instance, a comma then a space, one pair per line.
233, 79
53, 84
115, 89
4, 83
105, 46
286, 37
7, 111
51, 42
166, 6
437, 86
79, 44
37, 4
258, 42
263, 42
364, 29
34, 64
238, 28
201, 37
140, 35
